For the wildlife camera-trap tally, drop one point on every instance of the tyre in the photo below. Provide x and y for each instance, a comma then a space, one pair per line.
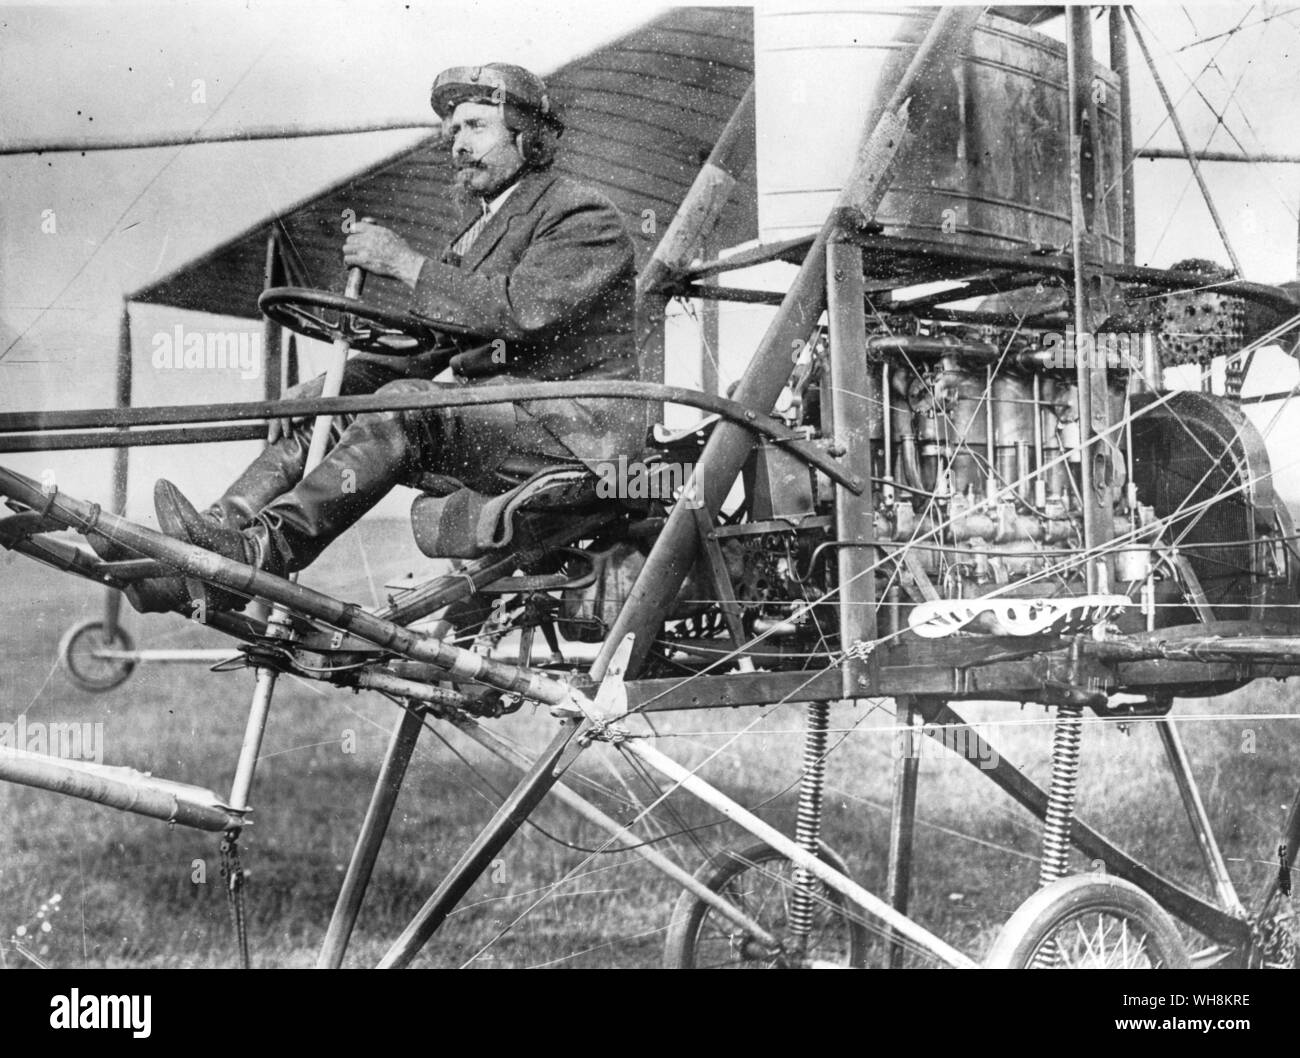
77, 653
759, 881
1089, 922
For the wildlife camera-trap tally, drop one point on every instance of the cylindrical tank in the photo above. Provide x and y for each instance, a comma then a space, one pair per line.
992, 169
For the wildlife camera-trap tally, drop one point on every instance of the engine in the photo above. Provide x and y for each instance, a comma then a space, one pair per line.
981, 492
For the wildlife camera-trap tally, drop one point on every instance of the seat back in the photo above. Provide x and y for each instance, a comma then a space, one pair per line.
468, 524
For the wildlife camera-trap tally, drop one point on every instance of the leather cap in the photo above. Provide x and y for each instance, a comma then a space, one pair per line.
497, 82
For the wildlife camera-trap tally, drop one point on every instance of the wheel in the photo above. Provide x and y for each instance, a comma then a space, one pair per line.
366, 326
759, 881
1089, 922
78, 649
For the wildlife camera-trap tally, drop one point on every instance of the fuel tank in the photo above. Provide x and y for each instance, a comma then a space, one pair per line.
992, 169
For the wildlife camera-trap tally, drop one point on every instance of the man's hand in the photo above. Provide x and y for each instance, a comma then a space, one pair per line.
277, 428
382, 252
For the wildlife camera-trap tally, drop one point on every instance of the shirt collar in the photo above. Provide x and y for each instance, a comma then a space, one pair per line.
490, 207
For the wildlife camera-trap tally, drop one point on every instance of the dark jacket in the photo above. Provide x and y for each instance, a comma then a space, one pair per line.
552, 275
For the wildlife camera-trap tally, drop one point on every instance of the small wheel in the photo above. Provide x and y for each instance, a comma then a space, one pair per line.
78, 650
1089, 922
760, 881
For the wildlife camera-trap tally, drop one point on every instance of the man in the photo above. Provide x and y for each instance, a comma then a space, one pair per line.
543, 272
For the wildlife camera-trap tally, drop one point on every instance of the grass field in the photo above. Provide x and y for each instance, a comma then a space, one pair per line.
134, 892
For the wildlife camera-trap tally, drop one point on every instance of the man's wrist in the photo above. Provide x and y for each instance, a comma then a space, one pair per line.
413, 267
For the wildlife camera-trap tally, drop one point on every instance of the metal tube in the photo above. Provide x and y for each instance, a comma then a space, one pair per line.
388, 785
122, 456
461, 396
517, 807
1024, 472
902, 822
1040, 478
121, 788
126, 439
1198, 817
903, 925
272, 332
887, 414
990, 447
163, 657
1219, 156
282, 131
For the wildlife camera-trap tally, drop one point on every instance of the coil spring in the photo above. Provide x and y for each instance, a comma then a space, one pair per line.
1066, 735
808, 820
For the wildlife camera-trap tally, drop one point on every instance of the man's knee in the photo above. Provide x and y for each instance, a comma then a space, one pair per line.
408, 387
366, 376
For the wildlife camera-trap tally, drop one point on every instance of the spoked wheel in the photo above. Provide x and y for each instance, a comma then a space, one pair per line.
1089, 922
80, 651
760, 882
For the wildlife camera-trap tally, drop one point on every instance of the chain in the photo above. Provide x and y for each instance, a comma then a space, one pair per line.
233, 878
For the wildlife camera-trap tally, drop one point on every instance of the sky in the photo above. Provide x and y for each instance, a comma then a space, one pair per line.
79, 231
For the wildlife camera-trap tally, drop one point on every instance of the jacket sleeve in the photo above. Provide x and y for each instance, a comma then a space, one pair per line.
575, 255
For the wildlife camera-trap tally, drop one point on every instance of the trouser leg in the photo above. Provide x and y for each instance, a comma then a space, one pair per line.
374, 454
377, 451
279, 466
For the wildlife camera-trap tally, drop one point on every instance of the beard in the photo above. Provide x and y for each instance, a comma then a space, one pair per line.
490, 179
462, 194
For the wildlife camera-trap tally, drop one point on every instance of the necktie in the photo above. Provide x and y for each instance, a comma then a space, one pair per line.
462, 245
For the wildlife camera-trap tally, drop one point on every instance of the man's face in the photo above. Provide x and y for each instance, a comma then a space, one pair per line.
483, 149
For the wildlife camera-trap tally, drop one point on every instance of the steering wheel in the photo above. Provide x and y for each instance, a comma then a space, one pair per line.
364, 325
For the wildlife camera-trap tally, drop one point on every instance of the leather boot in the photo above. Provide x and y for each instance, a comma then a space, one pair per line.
277, 468
156, 595
287, 535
